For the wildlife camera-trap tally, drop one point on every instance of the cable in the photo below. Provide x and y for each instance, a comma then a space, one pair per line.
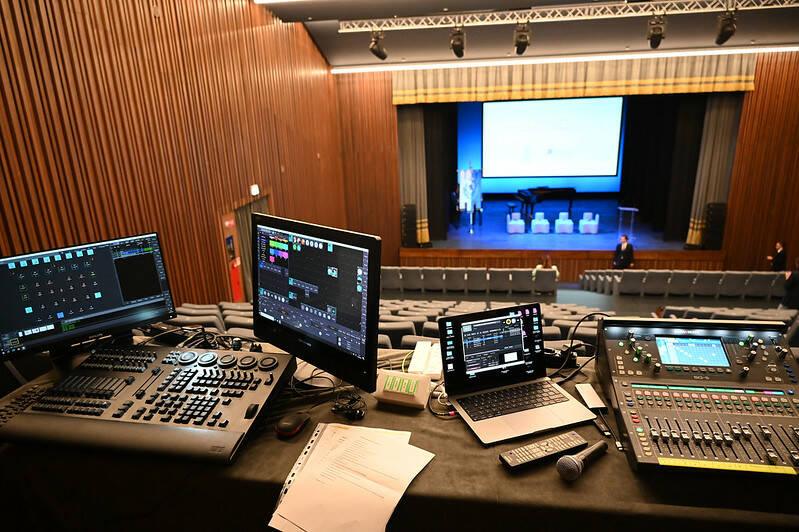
184, 329
449, 414
404, 359
571, 338
576, 370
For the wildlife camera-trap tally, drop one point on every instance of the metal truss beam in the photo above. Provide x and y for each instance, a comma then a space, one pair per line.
560, 13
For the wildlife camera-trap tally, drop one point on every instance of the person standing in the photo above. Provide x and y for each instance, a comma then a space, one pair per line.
778, 260
624, 255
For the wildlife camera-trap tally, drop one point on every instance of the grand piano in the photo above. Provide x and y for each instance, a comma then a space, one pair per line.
530, 196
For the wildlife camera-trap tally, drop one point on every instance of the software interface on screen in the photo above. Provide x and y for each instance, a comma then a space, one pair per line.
55, 295
692, 351
314, 286
499, 343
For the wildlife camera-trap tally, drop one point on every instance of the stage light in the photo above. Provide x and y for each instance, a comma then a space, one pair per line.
457, 40
726, 27
376, 45
521, 37
657, 30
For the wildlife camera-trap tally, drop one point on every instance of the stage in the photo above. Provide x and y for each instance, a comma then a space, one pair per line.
492, 235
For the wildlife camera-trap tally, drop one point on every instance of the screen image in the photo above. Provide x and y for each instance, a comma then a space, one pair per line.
692, 351
552, 138
58, 295
495, 343
314, 286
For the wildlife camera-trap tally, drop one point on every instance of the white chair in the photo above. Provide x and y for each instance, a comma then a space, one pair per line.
563, 224
514, 223
539, 224
589, 223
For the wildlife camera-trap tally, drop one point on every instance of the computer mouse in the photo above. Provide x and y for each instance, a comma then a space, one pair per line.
291, 424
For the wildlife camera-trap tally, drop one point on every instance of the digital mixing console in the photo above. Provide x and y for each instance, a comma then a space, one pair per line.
194, 403
705, 394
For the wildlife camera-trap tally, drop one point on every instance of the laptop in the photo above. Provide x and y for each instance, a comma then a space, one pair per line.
495, 375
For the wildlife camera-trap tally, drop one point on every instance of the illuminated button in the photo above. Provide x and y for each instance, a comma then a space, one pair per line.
635, 359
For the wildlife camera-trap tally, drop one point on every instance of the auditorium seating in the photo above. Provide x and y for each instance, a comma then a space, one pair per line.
499, 280
726, 284
468, 280
545, 281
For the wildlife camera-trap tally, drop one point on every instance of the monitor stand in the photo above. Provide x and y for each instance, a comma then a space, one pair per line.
313, 376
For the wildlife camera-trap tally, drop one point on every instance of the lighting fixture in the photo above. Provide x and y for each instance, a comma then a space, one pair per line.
376, 45
726, 27
657, 30
457, 40
521, 37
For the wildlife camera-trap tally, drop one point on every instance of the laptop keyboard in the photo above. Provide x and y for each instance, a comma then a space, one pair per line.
509, 400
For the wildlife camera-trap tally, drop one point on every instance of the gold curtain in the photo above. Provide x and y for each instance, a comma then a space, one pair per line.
668, 75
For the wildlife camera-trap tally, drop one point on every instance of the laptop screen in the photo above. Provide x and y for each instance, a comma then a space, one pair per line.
492, 348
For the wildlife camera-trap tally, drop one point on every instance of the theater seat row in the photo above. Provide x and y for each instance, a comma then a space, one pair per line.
468, 280
685, 283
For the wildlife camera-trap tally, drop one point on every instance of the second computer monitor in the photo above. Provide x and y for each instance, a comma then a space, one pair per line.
316, 291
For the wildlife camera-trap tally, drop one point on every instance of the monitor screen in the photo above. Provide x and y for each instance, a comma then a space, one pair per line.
691, 351
65, 295
316, 292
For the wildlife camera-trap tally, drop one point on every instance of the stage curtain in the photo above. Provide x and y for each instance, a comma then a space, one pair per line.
669, 75
716, 154
412, 167
441, 145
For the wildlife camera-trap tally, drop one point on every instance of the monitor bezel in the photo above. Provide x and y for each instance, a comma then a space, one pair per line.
63, 345
362, 374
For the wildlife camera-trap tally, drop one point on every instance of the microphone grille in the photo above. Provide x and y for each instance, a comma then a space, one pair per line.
569, 468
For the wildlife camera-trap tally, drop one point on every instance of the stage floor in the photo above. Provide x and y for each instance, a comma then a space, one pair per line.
492, 235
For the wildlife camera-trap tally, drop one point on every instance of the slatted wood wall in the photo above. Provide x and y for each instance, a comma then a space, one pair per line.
371, 157
570, 263
127, 116
764, 192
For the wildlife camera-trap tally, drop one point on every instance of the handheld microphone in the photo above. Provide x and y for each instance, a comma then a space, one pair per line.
571, 466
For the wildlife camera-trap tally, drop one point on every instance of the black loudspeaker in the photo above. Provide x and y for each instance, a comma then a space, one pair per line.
715, 216
409, 226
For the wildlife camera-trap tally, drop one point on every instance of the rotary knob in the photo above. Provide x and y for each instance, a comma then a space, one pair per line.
188, 357
227, 361
208, 359
647, 358
267, 363
657, 367
781, 352
247, 362
752, 354
744, 371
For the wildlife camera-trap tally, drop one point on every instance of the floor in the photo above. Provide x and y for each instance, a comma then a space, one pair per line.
491, 234
569, 293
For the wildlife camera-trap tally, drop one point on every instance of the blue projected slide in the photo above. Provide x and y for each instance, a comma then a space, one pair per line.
692, 351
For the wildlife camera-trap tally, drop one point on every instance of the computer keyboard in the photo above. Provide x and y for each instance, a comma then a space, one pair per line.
509, 400
21, 401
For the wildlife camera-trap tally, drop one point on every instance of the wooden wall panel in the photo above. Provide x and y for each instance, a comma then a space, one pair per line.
370, 157
570, 263
131, 116
763, 205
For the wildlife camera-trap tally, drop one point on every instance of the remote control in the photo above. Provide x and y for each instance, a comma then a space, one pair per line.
541, 450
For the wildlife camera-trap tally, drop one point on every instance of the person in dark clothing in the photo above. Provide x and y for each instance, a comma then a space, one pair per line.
624, 255
778, 260
791, 297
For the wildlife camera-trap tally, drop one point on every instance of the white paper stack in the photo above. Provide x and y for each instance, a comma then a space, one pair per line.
348, 478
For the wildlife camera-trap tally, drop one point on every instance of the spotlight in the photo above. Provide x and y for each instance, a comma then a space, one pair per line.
457, 40
726, 27
521, 37
376, 45
657, 30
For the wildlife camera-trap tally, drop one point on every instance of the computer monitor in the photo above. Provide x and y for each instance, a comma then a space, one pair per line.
52, 299
316, 292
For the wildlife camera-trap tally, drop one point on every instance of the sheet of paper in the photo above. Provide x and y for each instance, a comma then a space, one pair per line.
354, 483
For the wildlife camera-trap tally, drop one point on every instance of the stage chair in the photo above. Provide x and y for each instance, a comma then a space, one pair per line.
630, 282
514, 223
545, 281
563, 224
476, 280
499, 280
707, 283
433, 279
430, 330
411, 278
681, 282
656, 282
759, 284
395, 330
539, 223
733, 283
589, 223
521, 280
454, 279
390, 278
383, 341
778, 288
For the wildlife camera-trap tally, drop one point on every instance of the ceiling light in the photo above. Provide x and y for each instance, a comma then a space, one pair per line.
457, 40
726, 27
521, 37
657, 30
376, 45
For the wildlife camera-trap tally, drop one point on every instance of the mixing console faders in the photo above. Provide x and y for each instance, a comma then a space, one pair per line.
702, 394
195, 403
